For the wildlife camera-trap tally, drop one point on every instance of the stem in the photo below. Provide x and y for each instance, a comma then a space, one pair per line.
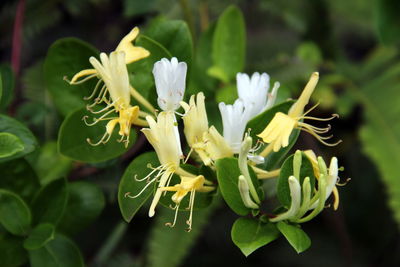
268, 175
204, 15
16, 39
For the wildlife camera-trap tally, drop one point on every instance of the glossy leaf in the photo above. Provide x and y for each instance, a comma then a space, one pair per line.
15, 215
251, 234
306, 170
10, 145
19, 177
12, 252
40, 236
296, 237
60, 252
65, 58
73, 135
228, 50
128, 185
50, 202
12, 126
85, 203
228, 175
174, 35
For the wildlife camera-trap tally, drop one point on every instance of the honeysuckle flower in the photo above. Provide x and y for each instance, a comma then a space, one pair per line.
161, 135
244, 191
214, 146
306, 199
254, 92
234, 121
132, 54
332, 178
187, 185
278, 131
170, 79
112, 71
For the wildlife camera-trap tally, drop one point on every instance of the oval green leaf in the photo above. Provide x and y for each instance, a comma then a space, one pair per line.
251, 234
15, 215
73, 134
128, 185
228, 47
85, 203
40, 236
65, 58
296, 237
50, 202
60, 252
174, 35
10, 145
7, 85
228, 173
12, 252
12, 126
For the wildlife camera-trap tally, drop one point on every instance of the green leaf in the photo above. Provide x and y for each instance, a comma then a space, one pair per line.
10, 145
60, 252
65, 58
387, 21
142, 78
306, 170
40, 236
167, 246
85, 203
15, 215
228, 51
380, 134
251, 234
7, 85
51, 165
12, 253
12, 126
228, 173
227, 94
174, 35
50, 202
73, 135
296, 237
137, 169
260, 122
19, 177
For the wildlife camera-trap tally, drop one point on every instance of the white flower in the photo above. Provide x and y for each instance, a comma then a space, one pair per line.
234, 120
170, 78
254, 92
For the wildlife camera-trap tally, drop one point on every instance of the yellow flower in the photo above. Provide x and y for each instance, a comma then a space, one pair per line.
187, 185
207, 142
161, 135
132, 54
278, 131
113, 73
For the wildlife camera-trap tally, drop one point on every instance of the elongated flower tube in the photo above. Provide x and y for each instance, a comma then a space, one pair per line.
161, 135
115, 94
170, 79
295, 194
278, 131
332, 175
234, 120
254, 92
215, 146
187, 185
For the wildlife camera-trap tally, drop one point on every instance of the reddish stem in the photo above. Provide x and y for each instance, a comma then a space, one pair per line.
17, 34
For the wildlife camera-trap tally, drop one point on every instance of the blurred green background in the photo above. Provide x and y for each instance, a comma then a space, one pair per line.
353, 44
